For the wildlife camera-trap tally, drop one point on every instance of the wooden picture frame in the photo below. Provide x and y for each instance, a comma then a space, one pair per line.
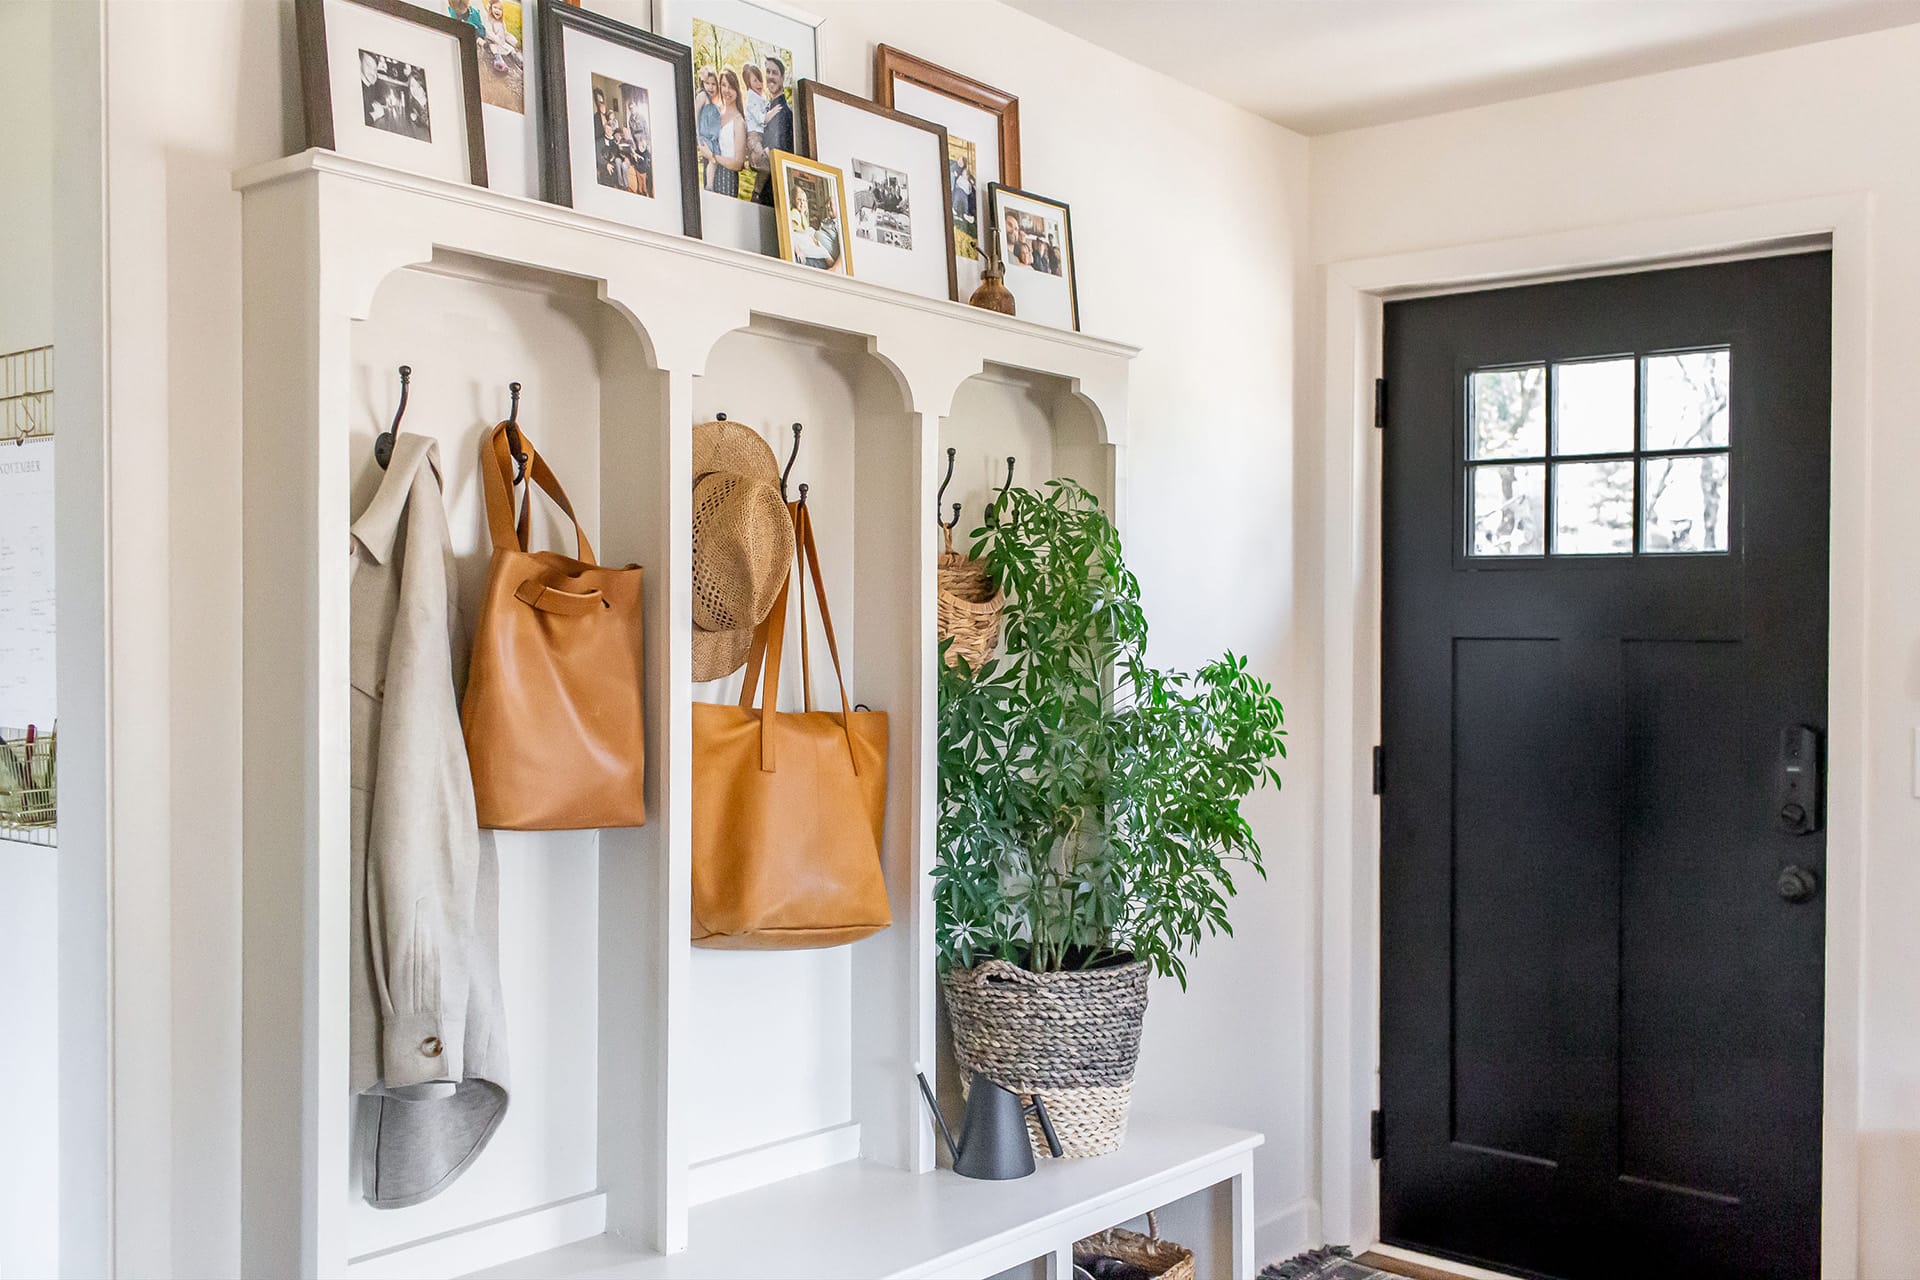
557, 21
1039, 298
318, 72
983, 140
882, 263
786, 163
891, 65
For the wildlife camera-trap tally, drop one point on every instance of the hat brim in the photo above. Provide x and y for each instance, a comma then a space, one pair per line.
718, 654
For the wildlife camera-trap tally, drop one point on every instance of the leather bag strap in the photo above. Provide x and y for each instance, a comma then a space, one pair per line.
812, 557
507, 534
769, 642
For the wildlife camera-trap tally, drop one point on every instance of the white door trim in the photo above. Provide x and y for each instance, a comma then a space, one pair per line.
1349, 874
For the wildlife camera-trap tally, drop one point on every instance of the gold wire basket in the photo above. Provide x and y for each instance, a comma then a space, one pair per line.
29, 795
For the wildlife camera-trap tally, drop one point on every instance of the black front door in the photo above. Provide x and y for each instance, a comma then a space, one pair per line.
1604, 660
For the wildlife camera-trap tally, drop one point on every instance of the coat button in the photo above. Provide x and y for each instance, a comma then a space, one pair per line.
431, 1046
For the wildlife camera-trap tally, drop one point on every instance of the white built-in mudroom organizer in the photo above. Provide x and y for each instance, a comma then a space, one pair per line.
675, 1112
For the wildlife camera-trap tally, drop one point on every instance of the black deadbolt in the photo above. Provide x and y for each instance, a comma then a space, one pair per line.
1798, 884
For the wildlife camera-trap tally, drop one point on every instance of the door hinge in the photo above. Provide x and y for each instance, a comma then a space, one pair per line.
1380, 404
1377, 1135
1379, 770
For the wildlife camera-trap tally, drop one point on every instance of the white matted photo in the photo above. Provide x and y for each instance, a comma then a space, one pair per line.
983, 143
749, 56
1036, 239
506, 47
394, 84
618, 121
898, 195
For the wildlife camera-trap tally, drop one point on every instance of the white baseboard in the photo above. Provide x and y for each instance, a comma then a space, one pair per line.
1294, 1229
744, 1170
489, 1243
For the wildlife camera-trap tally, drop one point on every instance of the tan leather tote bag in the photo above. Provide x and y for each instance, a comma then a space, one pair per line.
788, 806
552, 715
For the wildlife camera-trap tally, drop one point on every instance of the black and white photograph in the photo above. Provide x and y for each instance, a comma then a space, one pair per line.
623, 137
882, 211
393, 94
617, 121
393, 83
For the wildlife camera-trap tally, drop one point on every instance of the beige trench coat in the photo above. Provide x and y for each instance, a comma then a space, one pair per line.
429, 1036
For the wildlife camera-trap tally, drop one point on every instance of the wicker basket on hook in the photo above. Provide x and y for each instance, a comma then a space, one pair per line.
968, 607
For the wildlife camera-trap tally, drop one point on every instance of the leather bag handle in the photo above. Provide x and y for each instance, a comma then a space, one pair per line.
553, 600
769, 641
506, 533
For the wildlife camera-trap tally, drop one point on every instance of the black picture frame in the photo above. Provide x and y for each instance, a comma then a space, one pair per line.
316, 85
809, 92
556, 147
994, 192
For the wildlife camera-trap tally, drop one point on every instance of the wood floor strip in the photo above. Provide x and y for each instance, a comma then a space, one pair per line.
1395, 1267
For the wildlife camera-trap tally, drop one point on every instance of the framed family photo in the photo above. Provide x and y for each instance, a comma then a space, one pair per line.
1036, 240
394, 84
618, 117
506, 43
896, 179
810, 202
748, 58
983, 141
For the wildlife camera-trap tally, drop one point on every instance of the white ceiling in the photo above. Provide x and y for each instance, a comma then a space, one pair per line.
1323, 65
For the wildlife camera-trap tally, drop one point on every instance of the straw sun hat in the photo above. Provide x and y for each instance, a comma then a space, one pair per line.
742, 544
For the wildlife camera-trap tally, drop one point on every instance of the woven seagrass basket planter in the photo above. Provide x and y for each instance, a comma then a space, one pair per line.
1073, 1038
1156, 1256
967, 608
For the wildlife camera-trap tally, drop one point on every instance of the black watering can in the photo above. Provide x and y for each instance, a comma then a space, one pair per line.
993, 1132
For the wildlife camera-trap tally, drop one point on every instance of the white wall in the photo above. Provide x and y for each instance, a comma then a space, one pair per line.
1189, 220
1829, 119
29, 895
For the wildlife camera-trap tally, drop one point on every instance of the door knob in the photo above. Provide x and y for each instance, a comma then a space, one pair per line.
1798, 884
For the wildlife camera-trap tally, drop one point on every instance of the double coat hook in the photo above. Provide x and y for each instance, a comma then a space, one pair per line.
940, 497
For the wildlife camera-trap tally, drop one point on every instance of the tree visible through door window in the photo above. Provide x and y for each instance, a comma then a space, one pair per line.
1601, 457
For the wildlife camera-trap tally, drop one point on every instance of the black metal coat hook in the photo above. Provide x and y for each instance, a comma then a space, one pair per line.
1000, 498
515, 445
383, 443
789, 467
941, 496
803, 494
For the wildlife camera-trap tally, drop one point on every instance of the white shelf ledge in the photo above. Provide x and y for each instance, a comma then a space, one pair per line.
866, 1220
460, 194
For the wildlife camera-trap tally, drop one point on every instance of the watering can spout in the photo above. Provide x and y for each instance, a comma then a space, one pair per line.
940, 1121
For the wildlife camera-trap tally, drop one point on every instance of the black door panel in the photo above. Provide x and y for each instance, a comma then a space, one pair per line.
1601, 1002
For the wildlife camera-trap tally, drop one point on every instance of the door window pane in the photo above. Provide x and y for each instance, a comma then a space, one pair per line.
1593, 507
1507, 413
1685, 500
1593, 407
1687, 397
1506, 508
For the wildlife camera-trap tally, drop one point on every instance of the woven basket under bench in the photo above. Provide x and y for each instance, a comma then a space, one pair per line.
1073, 1038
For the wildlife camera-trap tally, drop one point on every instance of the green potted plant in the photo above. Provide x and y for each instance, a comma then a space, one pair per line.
1089, 816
